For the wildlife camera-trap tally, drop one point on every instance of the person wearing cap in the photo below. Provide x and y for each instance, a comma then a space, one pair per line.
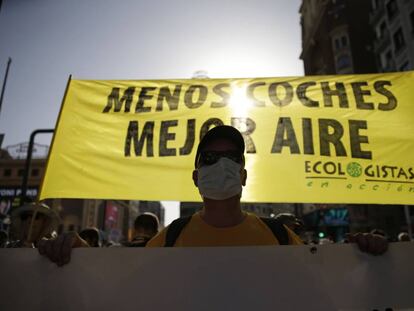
220, 175
33, 222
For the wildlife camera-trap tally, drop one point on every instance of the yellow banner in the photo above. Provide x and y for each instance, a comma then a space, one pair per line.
322, 139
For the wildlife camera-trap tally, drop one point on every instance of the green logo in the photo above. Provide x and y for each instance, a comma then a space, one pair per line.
354, 169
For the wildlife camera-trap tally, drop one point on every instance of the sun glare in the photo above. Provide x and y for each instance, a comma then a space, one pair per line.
240, 104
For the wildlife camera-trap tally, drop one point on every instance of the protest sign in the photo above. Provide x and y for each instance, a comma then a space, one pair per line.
329, 277
330, 139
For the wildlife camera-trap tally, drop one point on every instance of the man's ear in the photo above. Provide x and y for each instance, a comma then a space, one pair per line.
195, 178
244, 177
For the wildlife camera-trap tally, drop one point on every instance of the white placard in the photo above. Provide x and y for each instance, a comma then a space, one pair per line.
335, 277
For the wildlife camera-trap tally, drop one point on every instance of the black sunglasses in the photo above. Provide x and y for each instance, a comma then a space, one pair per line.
211, 157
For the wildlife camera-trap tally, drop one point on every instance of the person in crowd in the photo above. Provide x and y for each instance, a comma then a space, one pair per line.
145, 228
32, 222
403, 237
91, 236
219, 175
382, 233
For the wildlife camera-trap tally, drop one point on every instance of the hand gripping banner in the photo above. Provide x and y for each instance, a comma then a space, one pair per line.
321, 139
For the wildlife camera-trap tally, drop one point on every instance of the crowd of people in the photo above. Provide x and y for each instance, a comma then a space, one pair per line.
34, 222
219, 174
44, 222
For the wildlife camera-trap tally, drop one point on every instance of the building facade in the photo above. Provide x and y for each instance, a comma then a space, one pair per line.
337, 37
114, 217
393, 23
75, 214
12, 170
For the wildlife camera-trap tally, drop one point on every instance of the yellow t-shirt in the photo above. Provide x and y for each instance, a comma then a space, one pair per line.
252, 231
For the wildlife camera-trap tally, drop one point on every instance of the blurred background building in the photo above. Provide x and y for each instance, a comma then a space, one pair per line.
337, 37
113, 217
393, 24
354, 36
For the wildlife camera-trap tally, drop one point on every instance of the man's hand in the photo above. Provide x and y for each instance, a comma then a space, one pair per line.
373, 244
59, 250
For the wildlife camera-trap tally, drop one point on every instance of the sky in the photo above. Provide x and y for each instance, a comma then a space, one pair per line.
154, 39
159, 39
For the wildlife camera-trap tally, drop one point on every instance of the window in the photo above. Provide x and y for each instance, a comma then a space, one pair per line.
340, 42
382, 30
392, 9
7, 172
337, 44
35, 172
399, 41
20, 172
412, 21
344, 41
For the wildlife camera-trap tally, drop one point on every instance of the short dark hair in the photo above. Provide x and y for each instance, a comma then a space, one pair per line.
90, 234
147, 221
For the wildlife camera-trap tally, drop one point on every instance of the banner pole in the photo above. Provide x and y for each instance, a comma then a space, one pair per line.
53, 137
28, 162
408, 220
5, 81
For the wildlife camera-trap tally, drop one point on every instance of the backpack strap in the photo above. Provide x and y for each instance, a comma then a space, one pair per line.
174, 230
278, 229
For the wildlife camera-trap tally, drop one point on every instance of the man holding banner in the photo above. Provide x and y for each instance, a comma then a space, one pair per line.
219, 175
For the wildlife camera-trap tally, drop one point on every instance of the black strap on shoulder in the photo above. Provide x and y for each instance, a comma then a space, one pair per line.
174, 230
279, 231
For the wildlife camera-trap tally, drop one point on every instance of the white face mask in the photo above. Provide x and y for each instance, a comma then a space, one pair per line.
220, 180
